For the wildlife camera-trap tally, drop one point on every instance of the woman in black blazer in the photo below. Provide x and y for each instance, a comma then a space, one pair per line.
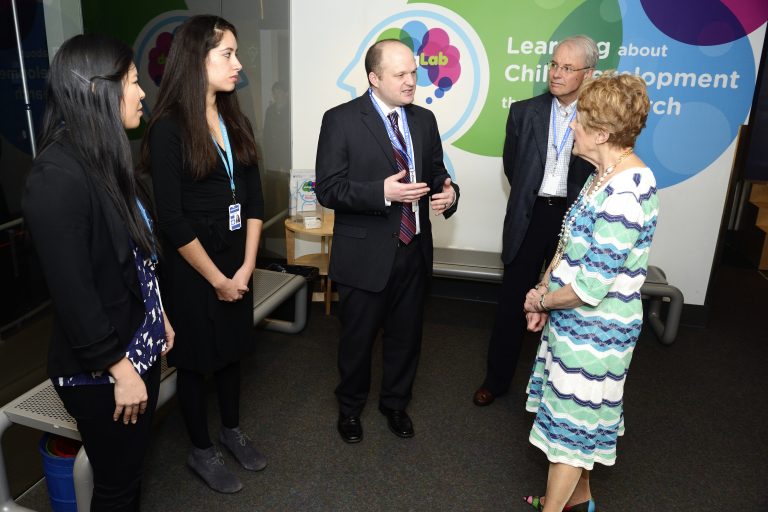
89, 222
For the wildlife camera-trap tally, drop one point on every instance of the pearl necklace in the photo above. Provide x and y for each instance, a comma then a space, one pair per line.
570, 216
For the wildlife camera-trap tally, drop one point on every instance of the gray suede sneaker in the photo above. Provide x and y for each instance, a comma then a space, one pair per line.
240, 445
209, 465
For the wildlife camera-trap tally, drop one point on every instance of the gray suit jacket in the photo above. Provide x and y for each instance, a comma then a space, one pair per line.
525, 155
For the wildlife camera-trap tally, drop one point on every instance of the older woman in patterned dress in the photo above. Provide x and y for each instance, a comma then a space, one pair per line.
588, 305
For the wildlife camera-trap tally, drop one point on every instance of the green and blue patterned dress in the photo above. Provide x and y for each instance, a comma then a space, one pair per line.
577, 382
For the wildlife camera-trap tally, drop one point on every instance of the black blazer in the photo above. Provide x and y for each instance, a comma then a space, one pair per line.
354, 156
84, 250
525, 155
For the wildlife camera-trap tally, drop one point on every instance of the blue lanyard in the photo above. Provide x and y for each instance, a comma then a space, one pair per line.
559, 146
391, 132
228, 165
149, 225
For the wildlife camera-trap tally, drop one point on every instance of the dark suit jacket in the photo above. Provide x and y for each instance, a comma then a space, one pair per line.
525, 155
354, 156
84, 250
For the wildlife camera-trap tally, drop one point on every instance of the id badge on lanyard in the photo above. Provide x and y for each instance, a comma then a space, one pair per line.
235, 220
409, 150
234, 214
412, 176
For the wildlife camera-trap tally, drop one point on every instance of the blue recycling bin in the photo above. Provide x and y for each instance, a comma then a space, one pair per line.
59, 478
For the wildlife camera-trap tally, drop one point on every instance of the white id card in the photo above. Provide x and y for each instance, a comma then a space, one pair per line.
235, 220
412, 176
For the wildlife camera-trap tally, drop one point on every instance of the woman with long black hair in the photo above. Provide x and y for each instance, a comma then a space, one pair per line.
91, 226
201, 152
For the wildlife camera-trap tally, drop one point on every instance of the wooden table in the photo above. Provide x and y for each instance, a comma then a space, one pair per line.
319, 260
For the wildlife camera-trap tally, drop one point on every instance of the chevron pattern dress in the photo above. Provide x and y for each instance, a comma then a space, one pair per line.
577, 382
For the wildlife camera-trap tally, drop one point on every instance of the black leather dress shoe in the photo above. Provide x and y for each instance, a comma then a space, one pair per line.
483, 396
350, 428
399, 422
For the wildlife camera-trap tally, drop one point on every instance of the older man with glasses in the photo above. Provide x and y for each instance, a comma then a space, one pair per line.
544, 180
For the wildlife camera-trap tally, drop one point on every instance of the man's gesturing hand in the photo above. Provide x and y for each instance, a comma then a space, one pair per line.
399, 192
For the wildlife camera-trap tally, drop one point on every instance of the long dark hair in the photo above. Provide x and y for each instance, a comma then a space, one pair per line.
182, 94
83, 99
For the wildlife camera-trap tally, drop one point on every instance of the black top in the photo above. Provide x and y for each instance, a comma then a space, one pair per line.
181, 200
210, 333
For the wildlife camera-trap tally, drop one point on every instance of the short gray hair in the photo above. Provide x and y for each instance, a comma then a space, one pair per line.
587, 46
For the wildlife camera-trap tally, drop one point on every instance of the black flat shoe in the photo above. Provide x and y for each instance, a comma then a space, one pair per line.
350, 428
399, 422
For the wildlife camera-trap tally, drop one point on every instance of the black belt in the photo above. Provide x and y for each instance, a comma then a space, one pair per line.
552, 200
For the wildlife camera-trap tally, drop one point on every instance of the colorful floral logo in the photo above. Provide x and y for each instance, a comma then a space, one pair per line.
151, 47
445, 48
439, 61
308, 187
158, 55
449, 65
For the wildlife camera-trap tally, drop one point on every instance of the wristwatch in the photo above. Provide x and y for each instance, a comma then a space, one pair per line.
541, 302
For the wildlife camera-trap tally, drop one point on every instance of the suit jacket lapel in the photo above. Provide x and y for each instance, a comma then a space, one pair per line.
416, 140
120, 241
373, 122
541, 126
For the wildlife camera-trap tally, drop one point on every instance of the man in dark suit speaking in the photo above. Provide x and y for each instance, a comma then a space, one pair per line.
544, 180
379, 162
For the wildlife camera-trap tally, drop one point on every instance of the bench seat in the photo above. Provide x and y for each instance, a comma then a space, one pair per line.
487, 266
40, 408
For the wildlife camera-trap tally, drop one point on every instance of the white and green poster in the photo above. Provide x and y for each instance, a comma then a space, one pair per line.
698, 58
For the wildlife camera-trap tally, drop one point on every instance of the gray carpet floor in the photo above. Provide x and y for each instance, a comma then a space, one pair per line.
695, 413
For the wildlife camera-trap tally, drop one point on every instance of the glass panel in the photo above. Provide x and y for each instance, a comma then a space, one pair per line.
263, 29
23, 332
20, 280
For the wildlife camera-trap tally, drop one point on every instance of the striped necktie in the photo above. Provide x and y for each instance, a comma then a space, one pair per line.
408, 217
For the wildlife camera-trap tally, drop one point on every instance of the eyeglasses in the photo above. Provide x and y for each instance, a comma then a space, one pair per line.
554, 66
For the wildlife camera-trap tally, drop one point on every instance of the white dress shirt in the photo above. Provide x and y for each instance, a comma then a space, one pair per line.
555, 182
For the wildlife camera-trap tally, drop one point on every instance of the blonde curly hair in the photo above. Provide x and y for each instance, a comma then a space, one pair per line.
615, 103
